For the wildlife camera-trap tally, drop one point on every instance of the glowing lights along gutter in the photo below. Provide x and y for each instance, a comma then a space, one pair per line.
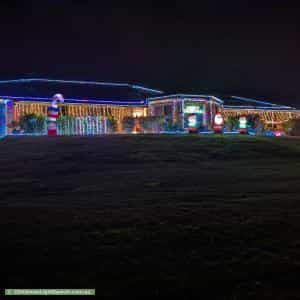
259, 102
262, 105
111, 84
85, 101
248, 107
184, 96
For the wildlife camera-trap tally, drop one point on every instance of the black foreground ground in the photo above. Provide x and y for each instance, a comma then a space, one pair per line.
152, 216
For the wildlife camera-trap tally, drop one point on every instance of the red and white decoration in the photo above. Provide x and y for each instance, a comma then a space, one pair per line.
218, 125
53, 114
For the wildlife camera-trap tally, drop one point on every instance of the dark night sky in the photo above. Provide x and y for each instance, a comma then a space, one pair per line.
246, 48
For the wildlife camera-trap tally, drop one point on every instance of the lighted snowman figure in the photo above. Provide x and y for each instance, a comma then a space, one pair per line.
218, 123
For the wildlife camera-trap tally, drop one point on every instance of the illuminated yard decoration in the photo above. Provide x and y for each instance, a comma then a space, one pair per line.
218, 123
192, 121
193, 115
243, 126
177, 112
53, 113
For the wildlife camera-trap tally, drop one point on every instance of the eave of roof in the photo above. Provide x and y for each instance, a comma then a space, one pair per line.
255, 103
275, 108
118, 102
81, 82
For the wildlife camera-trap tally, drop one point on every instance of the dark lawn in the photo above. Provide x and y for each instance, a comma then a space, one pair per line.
152, 216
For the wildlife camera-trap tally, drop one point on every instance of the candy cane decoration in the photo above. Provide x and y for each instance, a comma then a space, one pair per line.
53, 113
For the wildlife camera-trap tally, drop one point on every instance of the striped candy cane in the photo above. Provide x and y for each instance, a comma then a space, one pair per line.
53, 113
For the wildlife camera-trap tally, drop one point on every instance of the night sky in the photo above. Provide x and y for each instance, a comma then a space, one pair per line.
245, 48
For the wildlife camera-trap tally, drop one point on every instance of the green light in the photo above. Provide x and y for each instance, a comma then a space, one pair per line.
192, 107
243, 122
192, 121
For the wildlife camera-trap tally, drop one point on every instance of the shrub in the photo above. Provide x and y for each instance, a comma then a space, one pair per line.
289, 125
32, 123
232, 123
292, 127
252, 121
112, 123
40, 123
128, 124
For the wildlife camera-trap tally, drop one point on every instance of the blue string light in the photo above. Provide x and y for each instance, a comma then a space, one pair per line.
83, 82
70, 100
258, 101
208, 97
275, 107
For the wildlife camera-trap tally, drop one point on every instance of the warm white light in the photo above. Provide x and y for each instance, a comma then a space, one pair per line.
219, 119
59, 98
192, 121
243, 120
192, 109
137, 114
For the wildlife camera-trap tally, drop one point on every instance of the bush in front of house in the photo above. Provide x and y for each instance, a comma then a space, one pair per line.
232, 123
32, 123
292, 127
128, 124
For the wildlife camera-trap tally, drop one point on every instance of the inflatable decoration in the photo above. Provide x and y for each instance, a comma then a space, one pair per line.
243, 128
53, 114
218, 123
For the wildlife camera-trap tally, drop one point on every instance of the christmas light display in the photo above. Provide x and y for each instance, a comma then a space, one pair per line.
218, 123
81, 125
79, 113
53, 114
2, 118
243, 126
193, 115
192, 121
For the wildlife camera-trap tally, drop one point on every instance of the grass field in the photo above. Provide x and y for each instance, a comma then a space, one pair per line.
152, 216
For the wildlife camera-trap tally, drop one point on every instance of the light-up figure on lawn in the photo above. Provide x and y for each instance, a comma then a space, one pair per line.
218, 125
243, 126
53, 114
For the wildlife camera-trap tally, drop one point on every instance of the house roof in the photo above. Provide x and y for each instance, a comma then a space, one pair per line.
248, 103
41, 89
96, 92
